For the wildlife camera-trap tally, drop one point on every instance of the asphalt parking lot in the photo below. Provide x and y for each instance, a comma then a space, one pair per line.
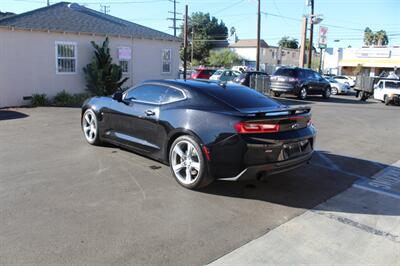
64, 201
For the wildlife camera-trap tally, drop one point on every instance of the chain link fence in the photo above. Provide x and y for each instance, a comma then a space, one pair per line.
260, 83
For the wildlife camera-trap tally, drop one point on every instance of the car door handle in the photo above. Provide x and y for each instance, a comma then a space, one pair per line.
149, 113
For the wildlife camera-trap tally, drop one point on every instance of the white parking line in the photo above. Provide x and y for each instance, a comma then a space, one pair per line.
385, 182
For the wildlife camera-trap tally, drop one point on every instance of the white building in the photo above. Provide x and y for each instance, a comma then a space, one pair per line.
45, 50
373, 60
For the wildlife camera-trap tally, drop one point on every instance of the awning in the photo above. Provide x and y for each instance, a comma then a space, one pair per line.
371, 62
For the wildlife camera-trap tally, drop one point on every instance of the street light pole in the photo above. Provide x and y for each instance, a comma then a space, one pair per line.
185, 43
258, 36
310, 46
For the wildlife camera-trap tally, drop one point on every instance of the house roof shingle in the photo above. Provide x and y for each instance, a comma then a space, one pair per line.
71, 17
248, 43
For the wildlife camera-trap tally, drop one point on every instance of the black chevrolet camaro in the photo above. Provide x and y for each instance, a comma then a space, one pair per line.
203, 130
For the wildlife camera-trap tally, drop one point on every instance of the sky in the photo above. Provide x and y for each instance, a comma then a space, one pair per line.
345, 19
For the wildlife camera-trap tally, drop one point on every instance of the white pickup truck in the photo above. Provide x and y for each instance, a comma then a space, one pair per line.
387, 91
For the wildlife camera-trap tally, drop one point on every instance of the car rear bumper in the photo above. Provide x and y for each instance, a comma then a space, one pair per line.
243, 156
283, 87
257, 171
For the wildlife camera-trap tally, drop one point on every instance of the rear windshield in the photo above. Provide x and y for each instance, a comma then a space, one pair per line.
240, 97
288, 72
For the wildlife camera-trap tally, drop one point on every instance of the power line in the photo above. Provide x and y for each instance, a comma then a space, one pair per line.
228, 7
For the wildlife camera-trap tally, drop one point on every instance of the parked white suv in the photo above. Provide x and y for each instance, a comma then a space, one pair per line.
387, 91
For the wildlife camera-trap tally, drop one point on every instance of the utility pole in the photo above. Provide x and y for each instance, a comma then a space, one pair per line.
48, 2
105, 9
258, 36
320, 60
191, 57
311, 34
185, 42
303, 42
174, 19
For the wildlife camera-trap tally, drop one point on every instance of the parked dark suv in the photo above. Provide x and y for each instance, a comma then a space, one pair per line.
300, 82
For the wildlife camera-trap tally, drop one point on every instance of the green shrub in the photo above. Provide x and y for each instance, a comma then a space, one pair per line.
79, 98
102, 76
64, 98
39, 99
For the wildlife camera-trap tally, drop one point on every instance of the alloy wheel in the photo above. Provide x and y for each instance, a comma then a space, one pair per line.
89, 125
327, 93
303, 93
185, 162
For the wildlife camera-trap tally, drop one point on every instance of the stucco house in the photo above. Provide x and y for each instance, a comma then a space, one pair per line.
270, 56
45, 50
247, 51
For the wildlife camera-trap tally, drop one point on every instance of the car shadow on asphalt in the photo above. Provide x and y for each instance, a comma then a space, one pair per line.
10, 115
307, 187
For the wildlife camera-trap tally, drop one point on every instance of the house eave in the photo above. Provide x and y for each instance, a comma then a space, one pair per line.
13, 28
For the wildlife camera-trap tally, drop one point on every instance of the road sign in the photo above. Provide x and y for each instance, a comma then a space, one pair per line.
323, 31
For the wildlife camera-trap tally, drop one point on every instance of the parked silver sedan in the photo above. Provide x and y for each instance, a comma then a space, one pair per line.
337, 87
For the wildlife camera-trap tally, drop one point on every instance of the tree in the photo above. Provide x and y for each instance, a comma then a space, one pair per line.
368, 36
204, 31
357, 70
101, 75
285, 42
225, 58
232, 31
378, 38
381, 38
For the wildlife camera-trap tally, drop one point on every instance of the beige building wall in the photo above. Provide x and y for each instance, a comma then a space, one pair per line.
28, 62
282, 56
250, 53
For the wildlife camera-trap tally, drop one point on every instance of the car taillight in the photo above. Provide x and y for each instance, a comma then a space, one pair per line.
309, 121
249, 127
195, 75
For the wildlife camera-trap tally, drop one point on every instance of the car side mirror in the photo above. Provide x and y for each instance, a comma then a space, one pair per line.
117, 96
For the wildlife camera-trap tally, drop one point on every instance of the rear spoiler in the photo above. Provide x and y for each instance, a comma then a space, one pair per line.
287, 111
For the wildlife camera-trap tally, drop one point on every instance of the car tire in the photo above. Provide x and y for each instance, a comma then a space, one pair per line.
334, 91
302, 95
90, 127
386, 100
190, 171
361, 96
277, 94
327, 93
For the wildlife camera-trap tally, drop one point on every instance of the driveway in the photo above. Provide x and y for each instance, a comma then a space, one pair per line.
64, 201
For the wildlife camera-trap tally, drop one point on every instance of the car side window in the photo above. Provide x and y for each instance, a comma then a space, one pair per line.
173, 95
302, 74
380, 85
148, 93
317, 76
309, 74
